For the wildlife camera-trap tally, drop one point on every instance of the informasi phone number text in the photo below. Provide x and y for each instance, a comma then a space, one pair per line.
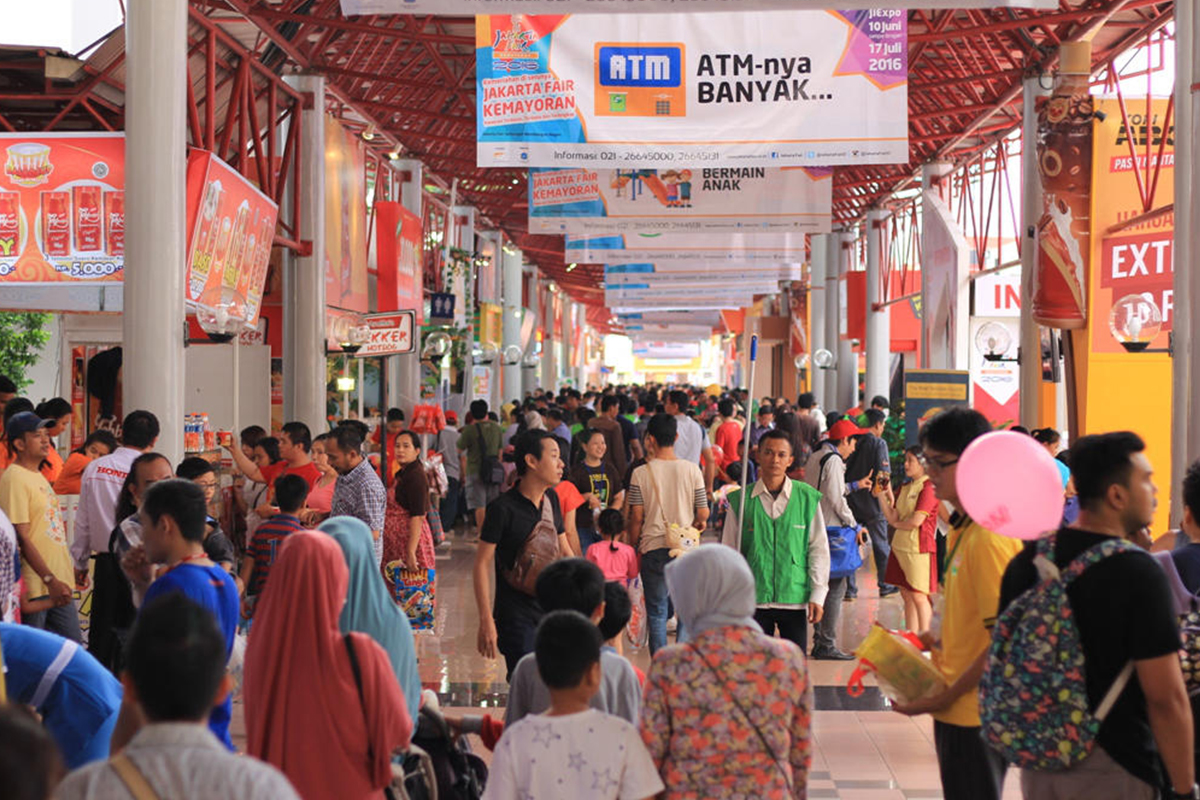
626, 155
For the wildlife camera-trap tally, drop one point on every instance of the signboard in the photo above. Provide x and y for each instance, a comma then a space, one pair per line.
665, 249
665, 349
470, 7
481, 382
998, 294
399, 256
391, 334
928, 391
62, 208
773, 88
1137, 260
231, 227
734, 199
441, 307
995, 373
345, 219
944, 285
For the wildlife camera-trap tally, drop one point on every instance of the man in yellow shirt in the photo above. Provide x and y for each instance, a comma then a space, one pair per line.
32, 507
975, 563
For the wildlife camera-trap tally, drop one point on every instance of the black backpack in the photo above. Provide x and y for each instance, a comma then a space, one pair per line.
113, 612
461, 775
491, 471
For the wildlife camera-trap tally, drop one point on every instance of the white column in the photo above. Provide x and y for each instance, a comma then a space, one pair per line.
833, 313
510, 292
1031, 212
931, 173
1185, 401
155, 181
549, 377
879, 324
404, 372
847, 359
304, 276
818, 244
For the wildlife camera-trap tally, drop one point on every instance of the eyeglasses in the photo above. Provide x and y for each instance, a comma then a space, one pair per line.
934, 464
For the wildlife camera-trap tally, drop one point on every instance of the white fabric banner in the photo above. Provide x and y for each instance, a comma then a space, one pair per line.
736, 200
773, 88
945, 285
666, 249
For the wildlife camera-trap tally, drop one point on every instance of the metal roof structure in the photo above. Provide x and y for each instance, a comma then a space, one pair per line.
412, 80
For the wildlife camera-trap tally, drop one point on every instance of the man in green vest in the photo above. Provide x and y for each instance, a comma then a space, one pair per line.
783, 540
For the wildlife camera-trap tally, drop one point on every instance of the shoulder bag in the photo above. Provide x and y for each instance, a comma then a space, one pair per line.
686, 532
539, 549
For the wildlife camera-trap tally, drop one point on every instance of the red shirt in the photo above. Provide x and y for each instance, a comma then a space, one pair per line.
728, 436
569, 497
309, 472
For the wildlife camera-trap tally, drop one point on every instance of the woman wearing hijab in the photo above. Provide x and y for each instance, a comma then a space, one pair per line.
329, 726
728, 713
370, 610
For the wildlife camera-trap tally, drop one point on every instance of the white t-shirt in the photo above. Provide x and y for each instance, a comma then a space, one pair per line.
589, 754
692, 439
99, 491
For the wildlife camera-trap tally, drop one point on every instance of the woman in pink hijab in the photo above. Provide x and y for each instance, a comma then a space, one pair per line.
306, 713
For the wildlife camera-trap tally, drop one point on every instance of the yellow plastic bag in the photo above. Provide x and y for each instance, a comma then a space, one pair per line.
904, 673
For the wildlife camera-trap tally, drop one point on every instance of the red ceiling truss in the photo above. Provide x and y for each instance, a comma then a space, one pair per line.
413, 79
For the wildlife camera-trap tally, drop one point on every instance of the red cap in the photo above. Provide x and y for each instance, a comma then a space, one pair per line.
843, 428
451, 417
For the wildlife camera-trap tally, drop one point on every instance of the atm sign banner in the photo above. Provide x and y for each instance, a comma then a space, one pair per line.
629, 91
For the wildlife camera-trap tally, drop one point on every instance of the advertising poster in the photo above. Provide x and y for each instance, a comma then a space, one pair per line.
666, 349
399, 254
345, 219
1064, 156
1135, 262
481, 382
945, 289
691, 248
231, 226
62, 208
465, 7
773, 88
695, 200
684, 274
928, 391
995, 373
391, 334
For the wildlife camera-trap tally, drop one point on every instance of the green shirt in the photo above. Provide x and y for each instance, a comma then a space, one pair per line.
777, 549
478, 438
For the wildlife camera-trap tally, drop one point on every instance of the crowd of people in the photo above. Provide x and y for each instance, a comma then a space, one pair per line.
588, 512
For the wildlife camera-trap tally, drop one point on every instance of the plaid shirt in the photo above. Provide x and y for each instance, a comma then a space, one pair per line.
359, 493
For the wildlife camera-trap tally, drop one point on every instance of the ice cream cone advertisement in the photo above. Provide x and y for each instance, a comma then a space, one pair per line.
54, 189
226, 215
1064, 153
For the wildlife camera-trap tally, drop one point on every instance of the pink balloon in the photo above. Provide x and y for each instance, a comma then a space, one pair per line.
1009, 484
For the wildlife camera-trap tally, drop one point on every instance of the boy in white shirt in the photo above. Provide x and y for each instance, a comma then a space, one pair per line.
572, 750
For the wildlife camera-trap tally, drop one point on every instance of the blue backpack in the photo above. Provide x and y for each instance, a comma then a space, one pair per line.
1033, 696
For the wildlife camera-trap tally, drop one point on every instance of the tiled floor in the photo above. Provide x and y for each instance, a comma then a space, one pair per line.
863, 750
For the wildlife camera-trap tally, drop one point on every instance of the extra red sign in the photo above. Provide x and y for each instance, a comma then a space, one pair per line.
391, 334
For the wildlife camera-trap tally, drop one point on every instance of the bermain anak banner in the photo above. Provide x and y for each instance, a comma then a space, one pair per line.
730, 199
666, 249
775, 88
468, 7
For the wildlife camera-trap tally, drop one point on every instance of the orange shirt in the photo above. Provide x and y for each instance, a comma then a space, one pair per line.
69, 477
53, 466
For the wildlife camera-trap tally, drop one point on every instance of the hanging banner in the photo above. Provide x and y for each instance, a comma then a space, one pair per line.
708, 319
660, 349
665, 249
716, 278
1133, 264
774, 88
1064, 154
231, 227
471, 7
345, 219
945, 288
399, 255
62, 208
693, 200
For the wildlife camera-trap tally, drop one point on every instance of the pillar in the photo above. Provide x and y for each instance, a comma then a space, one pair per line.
931, 173
847, 359
404, 371
155, 192
510, 292
1031, 211
816, 304
879, 327
1185, 402
833, 312
304, 276
549, 376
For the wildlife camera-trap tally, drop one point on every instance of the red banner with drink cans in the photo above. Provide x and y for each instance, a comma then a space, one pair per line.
231, 227
399, 258
62, 208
